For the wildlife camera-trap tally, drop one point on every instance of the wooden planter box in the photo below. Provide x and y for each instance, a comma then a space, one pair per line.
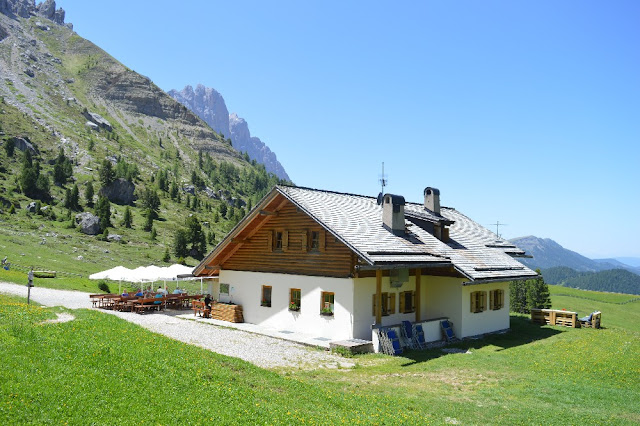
225, 312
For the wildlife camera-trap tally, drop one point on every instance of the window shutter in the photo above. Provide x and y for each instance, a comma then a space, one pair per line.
305, 241
483, 300
285, 240
402, 302
500, 299
392, 303
413, 301
473, 301
374, 304
270, 241
322, 240
491, 300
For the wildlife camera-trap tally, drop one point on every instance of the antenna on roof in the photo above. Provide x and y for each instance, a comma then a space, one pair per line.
383, 179
497, 225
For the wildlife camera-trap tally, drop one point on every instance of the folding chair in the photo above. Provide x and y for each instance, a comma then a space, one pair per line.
447, 330
407, 332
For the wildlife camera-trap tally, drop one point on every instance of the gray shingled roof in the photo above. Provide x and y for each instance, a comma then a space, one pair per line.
356, 220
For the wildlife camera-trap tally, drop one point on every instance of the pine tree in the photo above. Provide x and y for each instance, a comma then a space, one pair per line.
126, 219
148, 224
75, 195
106, 173
196, 236
88, 194
103, 211
154, 234
167, 257
180, 244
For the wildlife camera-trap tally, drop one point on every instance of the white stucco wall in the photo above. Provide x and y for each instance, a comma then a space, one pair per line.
488, 320
440, 297
364, 318
246, 290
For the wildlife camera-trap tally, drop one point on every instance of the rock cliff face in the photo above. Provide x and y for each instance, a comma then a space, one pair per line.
209, 105
25, 8
258, 150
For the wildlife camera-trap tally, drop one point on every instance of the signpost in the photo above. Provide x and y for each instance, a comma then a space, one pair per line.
29, 285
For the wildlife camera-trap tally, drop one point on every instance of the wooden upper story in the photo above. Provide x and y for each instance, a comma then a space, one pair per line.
282, 239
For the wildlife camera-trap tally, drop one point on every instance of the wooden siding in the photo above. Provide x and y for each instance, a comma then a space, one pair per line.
257, 253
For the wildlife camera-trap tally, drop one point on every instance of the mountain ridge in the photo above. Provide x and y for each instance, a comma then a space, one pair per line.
549, 254
210, 106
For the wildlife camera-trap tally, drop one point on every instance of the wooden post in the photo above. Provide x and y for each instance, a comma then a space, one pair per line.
418, 282
378, 296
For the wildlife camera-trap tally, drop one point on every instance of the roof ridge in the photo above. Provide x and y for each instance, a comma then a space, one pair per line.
325, 191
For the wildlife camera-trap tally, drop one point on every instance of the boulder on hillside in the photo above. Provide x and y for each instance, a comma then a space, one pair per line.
189, 189
89, 224
120, 191
23, 144
99, 120
31, 207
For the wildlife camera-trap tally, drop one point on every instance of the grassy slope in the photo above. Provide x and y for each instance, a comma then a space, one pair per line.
99, 368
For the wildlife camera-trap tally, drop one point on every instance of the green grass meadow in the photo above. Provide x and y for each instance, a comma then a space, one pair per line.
102, 370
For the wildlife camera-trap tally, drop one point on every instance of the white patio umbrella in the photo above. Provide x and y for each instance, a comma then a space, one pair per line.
119, 273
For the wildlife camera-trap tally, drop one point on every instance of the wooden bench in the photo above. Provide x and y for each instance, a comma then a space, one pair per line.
594, 322
200, 308
141, 305
555, 317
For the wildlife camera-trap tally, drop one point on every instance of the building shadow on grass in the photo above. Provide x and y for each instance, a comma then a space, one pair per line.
521, 332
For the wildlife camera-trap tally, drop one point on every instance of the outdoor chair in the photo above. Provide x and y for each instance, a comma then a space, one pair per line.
447, 330
389, 341
407, 333
418, 334
396, 349
592, 320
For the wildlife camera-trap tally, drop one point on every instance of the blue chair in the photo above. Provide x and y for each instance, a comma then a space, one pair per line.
418, 334
447, 330
408, 334
395, 342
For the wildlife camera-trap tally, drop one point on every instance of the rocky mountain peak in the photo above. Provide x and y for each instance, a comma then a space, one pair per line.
209, 105
26, 8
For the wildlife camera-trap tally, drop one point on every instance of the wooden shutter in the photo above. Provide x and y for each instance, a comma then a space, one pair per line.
374, 304
322, 240
483, 300
402, 302
492, 300
270, 241
473, 301
285, 240
392, 303
413, 301
500, 294
305, 241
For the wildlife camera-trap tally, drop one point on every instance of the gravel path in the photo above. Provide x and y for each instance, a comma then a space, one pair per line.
263, 351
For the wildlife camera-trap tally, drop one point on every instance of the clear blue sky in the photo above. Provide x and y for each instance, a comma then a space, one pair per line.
527, 113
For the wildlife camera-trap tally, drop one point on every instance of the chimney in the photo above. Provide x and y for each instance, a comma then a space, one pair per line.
393, 213
432, 199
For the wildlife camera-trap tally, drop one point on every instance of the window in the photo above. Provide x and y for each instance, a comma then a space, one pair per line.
326, 303
496, 299
478, 301
278, 241
407, 302
294, 299
315, 240
266, 296
388, 304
